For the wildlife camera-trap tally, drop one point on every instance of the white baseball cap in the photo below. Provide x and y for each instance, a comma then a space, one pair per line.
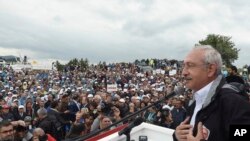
122, 100
20, 106
90, 95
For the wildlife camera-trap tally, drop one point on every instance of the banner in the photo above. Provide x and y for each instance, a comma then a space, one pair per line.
111, 87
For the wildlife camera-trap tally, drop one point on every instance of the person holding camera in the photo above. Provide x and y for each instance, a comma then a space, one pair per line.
7, 129
164, 118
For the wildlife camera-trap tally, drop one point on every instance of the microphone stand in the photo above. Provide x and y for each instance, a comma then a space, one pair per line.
93, 133
128, 135
126, 131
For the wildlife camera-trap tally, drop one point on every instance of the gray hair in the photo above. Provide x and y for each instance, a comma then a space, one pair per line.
38, 98
98, 97
212, 56
39, 131
42, 112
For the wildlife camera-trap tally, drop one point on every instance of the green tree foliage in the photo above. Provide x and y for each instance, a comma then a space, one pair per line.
73, 62
59, 66
81, 64
84, 64
224, 45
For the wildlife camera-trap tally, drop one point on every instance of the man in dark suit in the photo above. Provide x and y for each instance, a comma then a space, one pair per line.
74, 106
178, 113
59, 120
46, 123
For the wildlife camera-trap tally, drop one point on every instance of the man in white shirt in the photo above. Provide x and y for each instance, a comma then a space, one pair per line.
214, 109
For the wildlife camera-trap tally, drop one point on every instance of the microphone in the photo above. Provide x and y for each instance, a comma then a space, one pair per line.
178, 90
126, 130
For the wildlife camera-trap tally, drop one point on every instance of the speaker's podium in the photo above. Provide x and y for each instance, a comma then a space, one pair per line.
143, 132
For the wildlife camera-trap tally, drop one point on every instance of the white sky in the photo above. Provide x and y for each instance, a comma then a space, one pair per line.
119, 30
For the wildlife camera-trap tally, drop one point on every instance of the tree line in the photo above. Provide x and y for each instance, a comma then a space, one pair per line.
223, 44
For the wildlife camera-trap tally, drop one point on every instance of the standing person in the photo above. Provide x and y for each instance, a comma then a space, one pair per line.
84, 102
40, 135
74, 105
49, 101
29, 109
6, 114
123, 107
6, 131
233, 75
36, 105
164, 118
21, 113
88, 121
96, 123
178, 113
105, 121
237, 81
78, 127
59, 123
45, 122
214, 108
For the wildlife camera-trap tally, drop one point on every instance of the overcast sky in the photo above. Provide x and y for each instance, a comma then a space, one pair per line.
119, 30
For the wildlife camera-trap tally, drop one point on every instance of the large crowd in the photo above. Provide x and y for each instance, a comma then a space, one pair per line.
55, 105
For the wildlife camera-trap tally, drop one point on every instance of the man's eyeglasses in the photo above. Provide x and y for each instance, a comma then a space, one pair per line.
191, 65
7, 131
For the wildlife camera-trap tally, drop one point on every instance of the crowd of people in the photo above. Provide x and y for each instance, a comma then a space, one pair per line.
52, 105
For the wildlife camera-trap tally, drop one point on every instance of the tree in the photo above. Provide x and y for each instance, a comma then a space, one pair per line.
59, 66
225, 47
73, 62
83, 64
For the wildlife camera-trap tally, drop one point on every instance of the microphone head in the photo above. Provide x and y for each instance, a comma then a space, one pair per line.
179, 90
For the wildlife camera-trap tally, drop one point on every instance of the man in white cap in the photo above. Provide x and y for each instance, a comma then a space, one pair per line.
21, 114
146, 98
123, 107
8, 99
90, 97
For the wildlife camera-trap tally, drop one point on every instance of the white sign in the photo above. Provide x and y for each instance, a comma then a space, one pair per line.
154, 72
111, 87
172, 72
158, 71
162, 71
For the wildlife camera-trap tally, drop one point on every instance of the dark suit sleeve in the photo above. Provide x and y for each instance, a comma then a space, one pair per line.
60, 119
174, 137
236, 110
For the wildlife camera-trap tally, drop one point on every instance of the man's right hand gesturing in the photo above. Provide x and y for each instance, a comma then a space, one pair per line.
182, 130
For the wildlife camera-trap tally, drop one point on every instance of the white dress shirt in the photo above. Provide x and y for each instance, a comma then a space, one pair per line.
200, 97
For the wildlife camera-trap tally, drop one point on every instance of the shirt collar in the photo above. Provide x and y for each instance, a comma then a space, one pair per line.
201, 95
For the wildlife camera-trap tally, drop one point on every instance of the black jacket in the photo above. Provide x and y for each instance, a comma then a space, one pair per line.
222, 108
17, 116
48, 125
57, 117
